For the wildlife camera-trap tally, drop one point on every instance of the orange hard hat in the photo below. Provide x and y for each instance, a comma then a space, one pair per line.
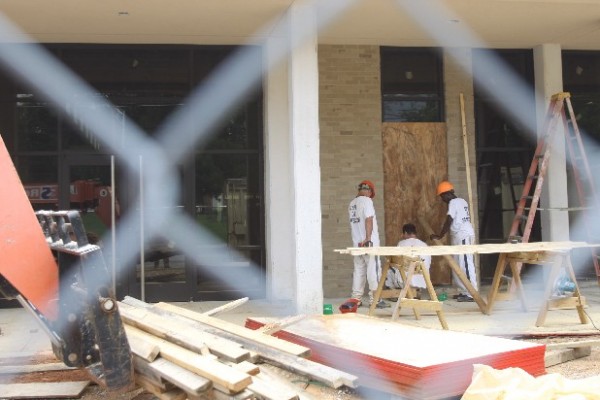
370, 185
444, 187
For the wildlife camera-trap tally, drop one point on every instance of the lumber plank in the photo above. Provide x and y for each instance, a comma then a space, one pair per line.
204, 366
142, 367
245, 366
25, 369
173, 394
268, 385
159, 384
143, 349
572, 345
180, 377
270, 390
329, 376
559, 356
276, 326
237, 330
47, 390
243, 395
226, 307
179, 333
486, 248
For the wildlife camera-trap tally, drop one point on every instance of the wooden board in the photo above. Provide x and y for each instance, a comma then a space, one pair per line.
26, 369
204, 366
237, 330
47, 390
487, 248
414, 162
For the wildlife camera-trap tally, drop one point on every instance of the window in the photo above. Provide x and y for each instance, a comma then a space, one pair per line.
581, 77
411, 85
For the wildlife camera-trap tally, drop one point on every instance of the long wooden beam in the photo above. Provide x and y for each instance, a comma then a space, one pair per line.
486, 248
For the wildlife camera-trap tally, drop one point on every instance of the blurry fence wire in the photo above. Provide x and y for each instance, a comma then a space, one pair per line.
191, 125
184, 130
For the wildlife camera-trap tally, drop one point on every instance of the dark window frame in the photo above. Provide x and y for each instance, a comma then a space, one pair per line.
424, 91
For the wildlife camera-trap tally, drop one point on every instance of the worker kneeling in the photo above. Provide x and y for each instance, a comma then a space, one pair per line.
394, 278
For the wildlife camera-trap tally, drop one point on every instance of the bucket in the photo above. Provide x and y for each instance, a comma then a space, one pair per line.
327, 309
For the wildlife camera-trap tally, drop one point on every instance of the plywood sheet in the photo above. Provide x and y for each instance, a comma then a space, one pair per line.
414, 161
413, 362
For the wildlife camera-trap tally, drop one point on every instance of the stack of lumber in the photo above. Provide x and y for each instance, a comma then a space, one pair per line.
411, 362
179, 354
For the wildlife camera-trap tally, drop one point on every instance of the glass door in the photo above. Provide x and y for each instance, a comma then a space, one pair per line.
161, 271
87, 185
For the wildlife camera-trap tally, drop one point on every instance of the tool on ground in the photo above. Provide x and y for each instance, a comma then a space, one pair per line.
350, 306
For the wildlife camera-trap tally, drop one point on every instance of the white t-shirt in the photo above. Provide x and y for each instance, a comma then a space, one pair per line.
461, 226
359, 210
394, 279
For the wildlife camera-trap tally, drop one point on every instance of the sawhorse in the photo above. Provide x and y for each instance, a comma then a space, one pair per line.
556, 261
408, 266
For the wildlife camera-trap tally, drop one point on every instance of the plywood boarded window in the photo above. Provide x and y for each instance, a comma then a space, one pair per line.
415, 160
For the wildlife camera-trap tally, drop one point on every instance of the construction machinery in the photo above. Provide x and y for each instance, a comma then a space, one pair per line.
50, 268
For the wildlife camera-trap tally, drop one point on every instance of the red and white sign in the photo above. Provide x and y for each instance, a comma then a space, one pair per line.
42, 193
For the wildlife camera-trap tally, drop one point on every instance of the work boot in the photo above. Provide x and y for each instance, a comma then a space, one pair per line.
382, 304
463, 298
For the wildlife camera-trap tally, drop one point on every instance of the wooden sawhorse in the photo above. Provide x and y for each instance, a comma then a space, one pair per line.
408, 266
556, 260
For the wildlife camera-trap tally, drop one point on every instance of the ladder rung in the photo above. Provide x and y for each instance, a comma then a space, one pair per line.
527, 197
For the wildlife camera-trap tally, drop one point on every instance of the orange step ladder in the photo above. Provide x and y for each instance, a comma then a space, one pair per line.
532, 187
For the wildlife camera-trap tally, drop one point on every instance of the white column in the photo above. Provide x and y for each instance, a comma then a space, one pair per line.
305, 168
278, 180
548, 81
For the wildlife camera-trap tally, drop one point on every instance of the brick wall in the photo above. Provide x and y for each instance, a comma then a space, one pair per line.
351, 147
350, 124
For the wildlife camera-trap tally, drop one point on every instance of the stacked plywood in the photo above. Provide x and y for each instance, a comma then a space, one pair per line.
181, 354
415, 363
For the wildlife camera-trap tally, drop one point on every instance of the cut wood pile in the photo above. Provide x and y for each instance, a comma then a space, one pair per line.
179, 354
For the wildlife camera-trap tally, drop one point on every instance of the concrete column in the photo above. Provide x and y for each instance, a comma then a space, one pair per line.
548, 81
305, 168
278, 181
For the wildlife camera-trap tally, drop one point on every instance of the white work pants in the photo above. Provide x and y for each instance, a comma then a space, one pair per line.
366, 269
465, 261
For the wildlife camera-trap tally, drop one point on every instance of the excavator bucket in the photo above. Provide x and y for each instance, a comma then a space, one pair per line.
49, 266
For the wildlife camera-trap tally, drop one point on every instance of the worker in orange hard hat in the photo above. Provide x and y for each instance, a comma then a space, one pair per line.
365, 233
371, 187
458, 223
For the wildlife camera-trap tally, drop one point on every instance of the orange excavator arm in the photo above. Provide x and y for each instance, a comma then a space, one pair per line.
27, 262
48, 265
